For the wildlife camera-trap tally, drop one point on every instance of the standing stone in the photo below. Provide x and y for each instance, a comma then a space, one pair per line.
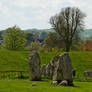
87, 74
43, 70
34, 66
51, 66
49, 70
63, 69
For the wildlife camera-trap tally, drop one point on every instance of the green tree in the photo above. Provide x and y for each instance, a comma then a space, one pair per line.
30, 38
43, 35
67, 24
1, 35
14, 38
53, 40
35, 46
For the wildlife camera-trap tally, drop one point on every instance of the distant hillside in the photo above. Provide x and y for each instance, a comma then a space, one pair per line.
40, 30
87, 33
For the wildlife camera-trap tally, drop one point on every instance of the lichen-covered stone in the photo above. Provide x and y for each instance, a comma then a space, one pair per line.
62, 69
34, 66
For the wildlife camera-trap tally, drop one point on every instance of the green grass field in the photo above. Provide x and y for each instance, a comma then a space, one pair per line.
44, 86
18, 60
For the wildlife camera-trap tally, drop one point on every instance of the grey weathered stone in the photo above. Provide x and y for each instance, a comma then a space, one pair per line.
62, 69
64, 83
33, 84
43, 70
87, 74
54, 83
34, 66
48, 70
51, 66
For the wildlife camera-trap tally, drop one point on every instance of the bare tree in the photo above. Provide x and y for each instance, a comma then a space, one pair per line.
67, 24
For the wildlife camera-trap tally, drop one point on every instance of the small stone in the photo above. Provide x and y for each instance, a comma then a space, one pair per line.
64, 83
33, 84
87, 73
54, 83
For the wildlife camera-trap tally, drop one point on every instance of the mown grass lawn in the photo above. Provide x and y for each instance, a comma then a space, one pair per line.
43, 86
18, 60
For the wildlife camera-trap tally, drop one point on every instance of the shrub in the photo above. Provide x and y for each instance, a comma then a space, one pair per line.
35, 45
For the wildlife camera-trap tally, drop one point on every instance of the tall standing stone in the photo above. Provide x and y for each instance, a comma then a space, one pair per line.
53, 64
34, 66
43, 70
48, 68
63, 69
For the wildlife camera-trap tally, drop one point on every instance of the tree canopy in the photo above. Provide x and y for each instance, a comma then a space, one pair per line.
67, 24
14, 38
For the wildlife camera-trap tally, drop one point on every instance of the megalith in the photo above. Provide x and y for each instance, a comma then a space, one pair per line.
43, 70
34, 66
62, 69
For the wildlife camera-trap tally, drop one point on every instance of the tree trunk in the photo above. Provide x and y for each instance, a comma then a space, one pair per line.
67, 48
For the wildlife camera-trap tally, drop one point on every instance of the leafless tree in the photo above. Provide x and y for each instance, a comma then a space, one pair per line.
67, 24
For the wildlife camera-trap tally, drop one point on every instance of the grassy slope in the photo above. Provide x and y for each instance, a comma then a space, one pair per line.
25, 86
13, 60
18, 60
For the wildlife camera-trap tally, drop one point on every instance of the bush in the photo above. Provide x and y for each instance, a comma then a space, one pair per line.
75, 48
14, 39
49, 49
35, 45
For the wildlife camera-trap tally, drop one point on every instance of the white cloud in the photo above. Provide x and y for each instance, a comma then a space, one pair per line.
36, 13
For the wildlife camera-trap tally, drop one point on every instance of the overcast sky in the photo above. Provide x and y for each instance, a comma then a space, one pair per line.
36, 13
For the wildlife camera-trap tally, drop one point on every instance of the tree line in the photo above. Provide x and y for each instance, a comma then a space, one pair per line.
68, 23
